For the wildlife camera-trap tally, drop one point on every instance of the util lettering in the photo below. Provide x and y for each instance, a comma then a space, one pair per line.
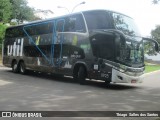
16, 49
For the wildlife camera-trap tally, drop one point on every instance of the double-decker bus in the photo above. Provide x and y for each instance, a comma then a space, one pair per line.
96, 44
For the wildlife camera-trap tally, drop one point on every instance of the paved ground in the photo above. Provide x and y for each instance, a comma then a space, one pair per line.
44, 92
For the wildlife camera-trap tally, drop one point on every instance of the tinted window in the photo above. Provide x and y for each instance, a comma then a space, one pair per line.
125, 24
103, 46
60, 25
97, 20
42, 28
14, 32
73, 23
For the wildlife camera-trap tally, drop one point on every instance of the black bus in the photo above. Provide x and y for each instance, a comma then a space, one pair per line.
96, 44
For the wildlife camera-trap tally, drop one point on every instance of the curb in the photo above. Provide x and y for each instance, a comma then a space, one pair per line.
152, 72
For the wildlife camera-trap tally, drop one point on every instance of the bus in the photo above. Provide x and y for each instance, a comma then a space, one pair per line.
96, 44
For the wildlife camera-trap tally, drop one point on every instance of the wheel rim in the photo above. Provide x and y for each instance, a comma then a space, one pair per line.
22, 69
14, 66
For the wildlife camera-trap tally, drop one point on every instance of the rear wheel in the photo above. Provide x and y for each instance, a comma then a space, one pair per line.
15, 67
82, 75
22, 68
75, 74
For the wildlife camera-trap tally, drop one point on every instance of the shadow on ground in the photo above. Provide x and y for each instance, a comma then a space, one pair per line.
67, 79
47, 92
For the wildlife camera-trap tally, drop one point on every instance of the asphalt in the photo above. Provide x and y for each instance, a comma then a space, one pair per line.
38, 92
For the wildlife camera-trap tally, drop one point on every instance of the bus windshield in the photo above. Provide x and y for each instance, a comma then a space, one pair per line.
125, 24
130, 53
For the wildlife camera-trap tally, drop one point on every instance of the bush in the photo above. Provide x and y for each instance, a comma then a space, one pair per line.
2, 31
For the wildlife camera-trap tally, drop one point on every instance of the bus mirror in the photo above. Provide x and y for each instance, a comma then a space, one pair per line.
152, 43
150, 47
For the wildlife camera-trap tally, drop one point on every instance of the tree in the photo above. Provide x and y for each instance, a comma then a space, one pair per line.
155, 1
156, 33
2, 33
5, 10
21, 11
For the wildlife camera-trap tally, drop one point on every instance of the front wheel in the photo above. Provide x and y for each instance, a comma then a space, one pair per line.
82, 75
22, 68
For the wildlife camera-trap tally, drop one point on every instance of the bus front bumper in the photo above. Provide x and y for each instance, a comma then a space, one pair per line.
119, 77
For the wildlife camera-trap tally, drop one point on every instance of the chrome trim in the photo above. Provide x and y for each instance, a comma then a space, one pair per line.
124, 69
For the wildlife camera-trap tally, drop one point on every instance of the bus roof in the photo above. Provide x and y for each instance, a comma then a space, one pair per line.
50, 19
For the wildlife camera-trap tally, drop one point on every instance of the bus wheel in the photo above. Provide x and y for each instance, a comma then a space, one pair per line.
15, 67
82, 75
22, 68
107, 82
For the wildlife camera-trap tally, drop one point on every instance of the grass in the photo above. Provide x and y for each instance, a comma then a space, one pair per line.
151, 68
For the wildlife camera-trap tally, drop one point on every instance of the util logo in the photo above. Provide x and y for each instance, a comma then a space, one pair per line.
16, 49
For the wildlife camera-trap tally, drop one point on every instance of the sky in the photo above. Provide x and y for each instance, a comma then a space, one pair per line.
144, 12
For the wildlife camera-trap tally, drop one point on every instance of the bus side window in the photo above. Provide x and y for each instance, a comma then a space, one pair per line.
45, 28
75, 23
103, 46
97, 20
30, 30
60, 26
14, 32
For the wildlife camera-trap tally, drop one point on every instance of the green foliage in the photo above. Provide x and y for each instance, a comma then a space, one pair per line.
149, 48
15, 9
156, 33
21, 11
5, 10
2, 32
151, 68
155, 1
13, 23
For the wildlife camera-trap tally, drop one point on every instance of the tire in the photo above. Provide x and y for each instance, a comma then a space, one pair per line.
107, 82
22, 68
75, 75
82, 75
15, 67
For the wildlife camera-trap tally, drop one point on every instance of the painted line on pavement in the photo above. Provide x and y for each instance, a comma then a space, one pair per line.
156, 71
